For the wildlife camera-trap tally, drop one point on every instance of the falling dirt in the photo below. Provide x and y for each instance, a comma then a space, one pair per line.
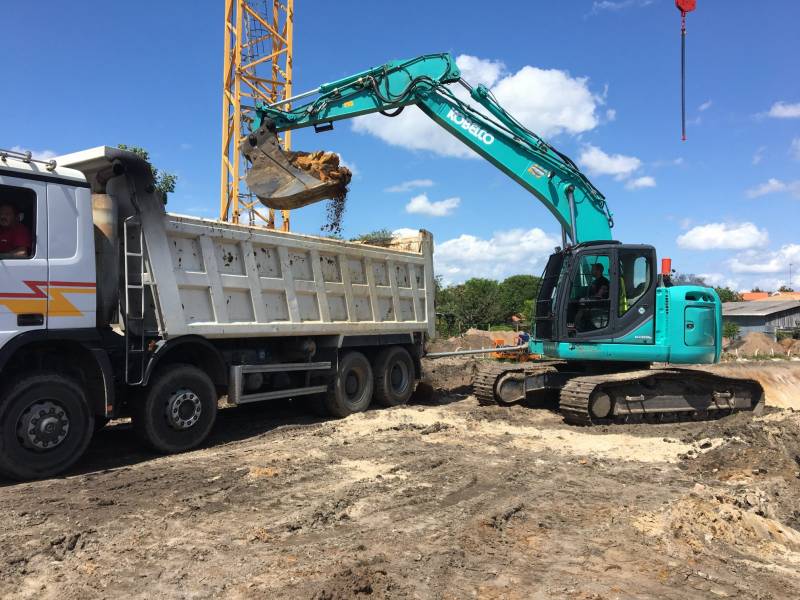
439, 499
325, 167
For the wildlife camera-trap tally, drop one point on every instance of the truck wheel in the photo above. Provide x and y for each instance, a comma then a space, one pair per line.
45, 426
351, 391
394, 376
178, 410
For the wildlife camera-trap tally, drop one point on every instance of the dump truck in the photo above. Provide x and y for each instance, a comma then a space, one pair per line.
115, 308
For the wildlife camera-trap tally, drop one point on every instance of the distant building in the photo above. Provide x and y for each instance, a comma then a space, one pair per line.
748, 296
765, 316
757, 296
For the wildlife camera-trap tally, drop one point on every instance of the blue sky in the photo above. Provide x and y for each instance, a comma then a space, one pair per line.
599, 79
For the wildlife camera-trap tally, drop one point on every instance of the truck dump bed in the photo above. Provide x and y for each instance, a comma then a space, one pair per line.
222, 280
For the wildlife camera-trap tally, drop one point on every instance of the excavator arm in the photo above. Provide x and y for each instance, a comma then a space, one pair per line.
493, 133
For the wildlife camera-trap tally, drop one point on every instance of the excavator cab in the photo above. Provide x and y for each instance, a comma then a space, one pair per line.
598, 291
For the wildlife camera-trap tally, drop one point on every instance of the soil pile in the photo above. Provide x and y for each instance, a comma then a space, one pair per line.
756, 344
780, 379
473, 339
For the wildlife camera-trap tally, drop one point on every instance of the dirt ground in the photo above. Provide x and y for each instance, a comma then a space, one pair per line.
439, 499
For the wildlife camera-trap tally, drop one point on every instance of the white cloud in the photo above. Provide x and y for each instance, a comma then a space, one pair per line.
547, 101
410, 185
617, 5
405, 232
611, 114
774, 186
505, 253
705, 105
720, 280
784, 110
766, 262
39, 154
441, 208
598, 162
794, 148
723, 236
759, 155
641, 182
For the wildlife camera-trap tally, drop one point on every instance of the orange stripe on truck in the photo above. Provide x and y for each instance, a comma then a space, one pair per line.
47, 297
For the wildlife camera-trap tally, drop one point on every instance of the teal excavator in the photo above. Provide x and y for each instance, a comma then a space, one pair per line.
604, 315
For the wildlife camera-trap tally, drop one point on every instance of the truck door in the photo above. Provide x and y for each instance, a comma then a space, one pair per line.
23, 270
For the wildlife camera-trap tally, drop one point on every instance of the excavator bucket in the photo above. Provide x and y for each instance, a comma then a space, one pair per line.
287, 180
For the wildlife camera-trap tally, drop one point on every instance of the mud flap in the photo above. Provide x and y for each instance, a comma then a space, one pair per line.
277, 182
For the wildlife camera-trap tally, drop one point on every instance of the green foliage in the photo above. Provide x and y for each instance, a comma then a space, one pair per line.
165, 182
516, 291
730, 330
484, 303
379, 237
785, 288
726, 294
756, 289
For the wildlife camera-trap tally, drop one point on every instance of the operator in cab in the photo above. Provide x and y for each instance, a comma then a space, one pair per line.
598, 290
15, 238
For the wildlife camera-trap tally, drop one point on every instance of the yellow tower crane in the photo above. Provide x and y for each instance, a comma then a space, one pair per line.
257, 66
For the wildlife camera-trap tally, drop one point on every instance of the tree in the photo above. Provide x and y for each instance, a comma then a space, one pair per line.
515, 292
757, 290
379, 237
730, 330
474, 303
726, 294
785, 288
165, 182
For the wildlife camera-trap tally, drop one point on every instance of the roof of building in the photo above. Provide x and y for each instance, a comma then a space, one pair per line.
748, 296
781, 296
761, 308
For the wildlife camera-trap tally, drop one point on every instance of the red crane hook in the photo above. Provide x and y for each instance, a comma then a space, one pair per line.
685, 6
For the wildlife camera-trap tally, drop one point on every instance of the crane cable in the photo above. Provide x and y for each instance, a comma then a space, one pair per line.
685, 6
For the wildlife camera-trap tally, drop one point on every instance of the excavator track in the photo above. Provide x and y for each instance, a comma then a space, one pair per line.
484, 384
656, 395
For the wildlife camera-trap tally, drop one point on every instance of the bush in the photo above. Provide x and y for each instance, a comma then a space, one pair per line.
730, 330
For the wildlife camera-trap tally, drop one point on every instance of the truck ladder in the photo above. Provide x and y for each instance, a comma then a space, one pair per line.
134, 300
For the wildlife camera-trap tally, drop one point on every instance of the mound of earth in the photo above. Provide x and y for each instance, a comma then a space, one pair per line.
756, 344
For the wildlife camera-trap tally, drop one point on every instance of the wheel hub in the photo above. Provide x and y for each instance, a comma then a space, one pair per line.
43, 426
398, 378
351, 384
183, 409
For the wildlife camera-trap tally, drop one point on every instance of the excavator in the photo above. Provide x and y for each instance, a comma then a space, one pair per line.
610, 328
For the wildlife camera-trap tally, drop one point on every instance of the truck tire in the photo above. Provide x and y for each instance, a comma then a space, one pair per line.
45, 426
351, 390
394, 376
177, 411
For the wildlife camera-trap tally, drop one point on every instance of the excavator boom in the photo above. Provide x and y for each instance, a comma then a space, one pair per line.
424, 81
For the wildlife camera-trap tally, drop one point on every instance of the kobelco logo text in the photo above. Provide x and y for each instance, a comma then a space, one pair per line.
472, 128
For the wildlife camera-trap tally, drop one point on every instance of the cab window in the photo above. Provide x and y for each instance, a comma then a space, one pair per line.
589, 307
17, 216
635, 277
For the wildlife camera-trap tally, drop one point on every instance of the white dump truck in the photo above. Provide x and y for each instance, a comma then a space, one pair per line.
114, 307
